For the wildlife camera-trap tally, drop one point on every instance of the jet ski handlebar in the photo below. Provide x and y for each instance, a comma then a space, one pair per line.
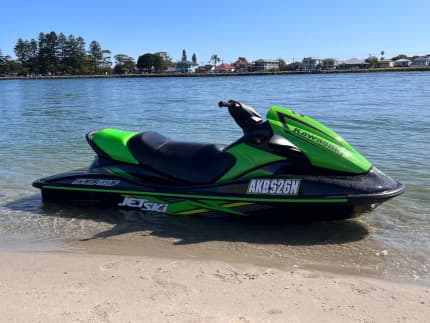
229, 104
244, 115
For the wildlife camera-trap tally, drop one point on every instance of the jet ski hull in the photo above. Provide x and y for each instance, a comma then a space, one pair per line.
291, 196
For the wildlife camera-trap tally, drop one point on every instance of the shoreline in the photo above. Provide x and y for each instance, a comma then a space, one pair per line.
70, 287
233, 74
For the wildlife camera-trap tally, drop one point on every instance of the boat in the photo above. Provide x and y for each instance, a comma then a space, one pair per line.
289, 166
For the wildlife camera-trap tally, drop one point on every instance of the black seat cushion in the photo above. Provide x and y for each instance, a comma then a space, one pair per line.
195, 163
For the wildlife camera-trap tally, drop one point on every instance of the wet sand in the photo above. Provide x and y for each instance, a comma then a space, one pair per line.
138, 272
88, 265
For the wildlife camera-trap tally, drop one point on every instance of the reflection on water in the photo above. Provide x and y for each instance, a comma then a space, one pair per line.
92, 223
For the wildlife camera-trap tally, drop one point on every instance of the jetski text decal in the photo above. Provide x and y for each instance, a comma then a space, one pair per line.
144, 205
274, 186
96, 181
318, 140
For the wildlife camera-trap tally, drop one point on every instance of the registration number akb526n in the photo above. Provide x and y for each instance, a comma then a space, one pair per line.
274, 186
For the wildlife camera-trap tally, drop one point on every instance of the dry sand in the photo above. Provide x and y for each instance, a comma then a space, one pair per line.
77, 287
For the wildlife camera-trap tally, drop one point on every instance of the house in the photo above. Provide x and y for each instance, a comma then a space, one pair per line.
171, 69
403, 62
354, 64
186, 67
224, 68
329, 64
265, 65
242, 65
387, 63
311, 63
421, 61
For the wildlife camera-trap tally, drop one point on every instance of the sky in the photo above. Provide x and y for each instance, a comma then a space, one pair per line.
252, 29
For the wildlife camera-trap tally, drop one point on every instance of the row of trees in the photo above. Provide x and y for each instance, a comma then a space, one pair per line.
59, 54
53, 54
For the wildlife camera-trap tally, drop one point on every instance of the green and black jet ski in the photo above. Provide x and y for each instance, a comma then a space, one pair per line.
289, 166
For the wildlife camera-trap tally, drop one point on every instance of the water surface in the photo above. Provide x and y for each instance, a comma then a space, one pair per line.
385, 116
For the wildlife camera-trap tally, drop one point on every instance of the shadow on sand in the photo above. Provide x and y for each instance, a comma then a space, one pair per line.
194, 229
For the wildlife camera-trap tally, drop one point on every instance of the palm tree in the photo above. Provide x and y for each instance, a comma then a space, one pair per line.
215, 59
382, 55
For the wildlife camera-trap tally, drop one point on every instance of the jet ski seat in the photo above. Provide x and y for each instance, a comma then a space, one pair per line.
196, 163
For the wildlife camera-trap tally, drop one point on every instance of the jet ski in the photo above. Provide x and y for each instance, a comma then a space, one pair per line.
289, 166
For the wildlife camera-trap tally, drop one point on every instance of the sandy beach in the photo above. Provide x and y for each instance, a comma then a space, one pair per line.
82, 287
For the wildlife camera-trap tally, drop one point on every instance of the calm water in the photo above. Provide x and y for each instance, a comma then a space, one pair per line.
386, 116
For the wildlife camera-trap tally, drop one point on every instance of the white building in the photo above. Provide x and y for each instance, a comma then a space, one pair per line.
265, 65
421, 61
403, 62
311, 63
330, 63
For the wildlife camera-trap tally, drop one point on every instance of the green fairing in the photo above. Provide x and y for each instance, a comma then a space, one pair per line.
114, 143
321, 145
247, 159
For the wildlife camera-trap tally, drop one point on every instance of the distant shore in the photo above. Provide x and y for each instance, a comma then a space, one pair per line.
231, 74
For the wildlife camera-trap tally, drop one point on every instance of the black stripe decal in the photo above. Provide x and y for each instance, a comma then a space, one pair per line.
282, 117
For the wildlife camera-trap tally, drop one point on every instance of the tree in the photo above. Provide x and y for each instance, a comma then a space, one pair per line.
150, 63
282, 64
194, 58
96, 55
4, 63
33, 56
71, 57
47, 53
27, 54
166, 60
76, 60
158, 63
106, 60
372, 60
61, 52
184, 55
382, 55
145, 62
22, 51
124, 64
215, 59
53, 54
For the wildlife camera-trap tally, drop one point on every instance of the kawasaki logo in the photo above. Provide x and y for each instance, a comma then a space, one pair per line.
274, 186
318, 140
144, 205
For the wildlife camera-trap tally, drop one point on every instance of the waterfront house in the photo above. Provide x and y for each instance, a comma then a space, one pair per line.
354, 64
421, 61
265, 65
186, 67
330, 64
403, 62
311, 64
242, 65
224, 68
387, 63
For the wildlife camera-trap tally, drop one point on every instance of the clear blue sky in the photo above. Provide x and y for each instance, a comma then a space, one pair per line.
254, 29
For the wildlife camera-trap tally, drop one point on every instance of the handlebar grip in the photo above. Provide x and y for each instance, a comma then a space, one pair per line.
229, 104
223, 104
